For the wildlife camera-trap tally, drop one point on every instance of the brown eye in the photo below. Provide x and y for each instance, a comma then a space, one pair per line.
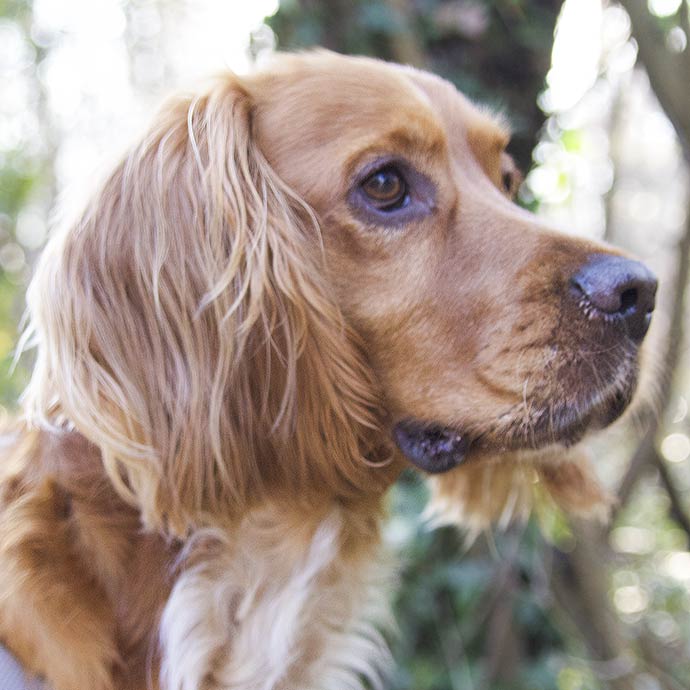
511, 179
386, 189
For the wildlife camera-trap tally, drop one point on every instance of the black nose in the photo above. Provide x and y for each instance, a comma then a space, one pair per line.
618, 290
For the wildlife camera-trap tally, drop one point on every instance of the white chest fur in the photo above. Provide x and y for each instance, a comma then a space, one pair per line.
278, 604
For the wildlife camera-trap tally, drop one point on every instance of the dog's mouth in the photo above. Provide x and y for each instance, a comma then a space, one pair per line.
432, 448
436, 448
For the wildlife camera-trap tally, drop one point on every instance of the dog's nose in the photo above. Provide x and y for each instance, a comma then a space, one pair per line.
618, 290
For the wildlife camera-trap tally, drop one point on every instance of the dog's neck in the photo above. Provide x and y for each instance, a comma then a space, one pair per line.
77, 464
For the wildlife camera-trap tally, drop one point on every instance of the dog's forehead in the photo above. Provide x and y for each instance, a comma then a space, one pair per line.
323, 95
483, 129
326, 105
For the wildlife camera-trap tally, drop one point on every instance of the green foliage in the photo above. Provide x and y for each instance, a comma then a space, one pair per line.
14, 9
20, 179
453, 596
23, 177
12, 380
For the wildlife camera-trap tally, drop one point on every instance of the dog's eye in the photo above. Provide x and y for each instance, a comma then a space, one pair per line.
511, 179
386, 189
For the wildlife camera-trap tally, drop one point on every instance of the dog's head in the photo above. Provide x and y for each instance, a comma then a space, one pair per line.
294, 268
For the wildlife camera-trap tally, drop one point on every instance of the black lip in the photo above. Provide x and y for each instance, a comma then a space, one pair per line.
564, 425
434, 449
437, 448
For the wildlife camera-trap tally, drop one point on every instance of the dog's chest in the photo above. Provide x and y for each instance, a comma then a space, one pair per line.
278, 604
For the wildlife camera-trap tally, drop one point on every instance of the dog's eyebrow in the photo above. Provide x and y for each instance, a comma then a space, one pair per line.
421, 138
492, 127
488, 134
401, 141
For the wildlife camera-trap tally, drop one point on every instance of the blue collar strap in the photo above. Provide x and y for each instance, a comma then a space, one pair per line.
11, 675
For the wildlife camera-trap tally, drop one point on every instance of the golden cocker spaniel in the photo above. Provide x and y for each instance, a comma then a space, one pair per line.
298, 282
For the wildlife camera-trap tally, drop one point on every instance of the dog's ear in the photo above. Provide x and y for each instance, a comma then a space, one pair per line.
184, 327
501, 489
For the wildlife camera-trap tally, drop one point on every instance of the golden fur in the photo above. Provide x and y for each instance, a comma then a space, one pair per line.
193, 497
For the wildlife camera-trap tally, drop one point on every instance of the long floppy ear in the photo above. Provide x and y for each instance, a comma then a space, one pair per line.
499, 490
184, 328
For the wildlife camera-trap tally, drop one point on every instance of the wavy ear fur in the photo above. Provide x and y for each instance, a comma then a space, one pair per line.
182, 326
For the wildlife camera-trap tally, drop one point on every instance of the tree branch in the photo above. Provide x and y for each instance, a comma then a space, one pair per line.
579, 582
668, 78
646, 451
667, 71
405, 45
684, 22
677, 510
638, 463
658, 662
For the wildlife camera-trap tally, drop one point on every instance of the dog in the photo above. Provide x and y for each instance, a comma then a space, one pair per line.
297, 284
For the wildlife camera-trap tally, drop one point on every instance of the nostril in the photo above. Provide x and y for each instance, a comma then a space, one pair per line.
617, 289
628, 300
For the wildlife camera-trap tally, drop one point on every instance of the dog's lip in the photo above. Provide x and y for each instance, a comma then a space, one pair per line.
431, 447
436, 448
565, 426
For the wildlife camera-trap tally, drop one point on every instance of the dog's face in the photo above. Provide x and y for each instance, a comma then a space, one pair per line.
292, 269
488, 331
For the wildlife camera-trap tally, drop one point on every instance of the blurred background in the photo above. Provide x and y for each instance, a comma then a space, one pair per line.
598, 94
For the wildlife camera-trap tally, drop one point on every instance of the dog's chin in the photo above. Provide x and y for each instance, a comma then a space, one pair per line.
436, 447
431, 447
